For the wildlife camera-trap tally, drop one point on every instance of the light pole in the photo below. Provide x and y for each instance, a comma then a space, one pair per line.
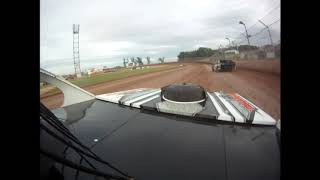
234, 45
229, 42
268, 31
221, 51
240, 22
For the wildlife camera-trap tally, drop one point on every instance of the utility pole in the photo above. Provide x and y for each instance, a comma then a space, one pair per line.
229, 41
125, 61
268, 31
76, 54
240, 22
235, 45
221, 51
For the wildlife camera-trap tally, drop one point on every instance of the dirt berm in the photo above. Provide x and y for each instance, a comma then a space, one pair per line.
265, 65
260, 65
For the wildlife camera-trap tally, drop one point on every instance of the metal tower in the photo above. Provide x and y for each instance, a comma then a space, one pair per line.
76, 55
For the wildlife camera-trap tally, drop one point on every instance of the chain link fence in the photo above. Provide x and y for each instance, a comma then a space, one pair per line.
261, 41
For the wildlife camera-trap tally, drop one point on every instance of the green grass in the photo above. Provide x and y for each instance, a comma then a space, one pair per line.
106, 77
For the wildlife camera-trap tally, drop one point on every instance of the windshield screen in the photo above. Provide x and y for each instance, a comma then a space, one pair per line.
111, 46
139, 88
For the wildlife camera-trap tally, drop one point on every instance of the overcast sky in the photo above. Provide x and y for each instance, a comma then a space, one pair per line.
112, 29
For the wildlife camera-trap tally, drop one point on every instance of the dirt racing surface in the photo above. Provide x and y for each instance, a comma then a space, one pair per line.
261, 88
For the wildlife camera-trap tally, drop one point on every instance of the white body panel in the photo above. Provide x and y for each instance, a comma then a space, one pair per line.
128, 103
137, 105
237, 116
260, 117
72, 93
222, 115
115, 97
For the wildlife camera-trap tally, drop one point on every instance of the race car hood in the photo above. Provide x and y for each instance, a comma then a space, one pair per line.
151, 145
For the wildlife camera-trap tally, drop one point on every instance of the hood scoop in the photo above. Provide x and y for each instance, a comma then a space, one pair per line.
183, 99
185, 93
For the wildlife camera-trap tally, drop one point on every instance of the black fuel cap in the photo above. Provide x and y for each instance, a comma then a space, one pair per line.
184, 92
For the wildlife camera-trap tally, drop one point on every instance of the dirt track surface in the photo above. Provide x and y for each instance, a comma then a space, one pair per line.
261, 88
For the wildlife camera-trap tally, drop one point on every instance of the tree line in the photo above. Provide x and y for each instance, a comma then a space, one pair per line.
138, 61
201, 52
207, 52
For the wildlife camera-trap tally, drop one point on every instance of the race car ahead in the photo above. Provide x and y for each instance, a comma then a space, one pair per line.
224, 65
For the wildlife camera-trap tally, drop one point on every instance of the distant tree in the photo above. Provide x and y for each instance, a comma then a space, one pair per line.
200, 52
133, 61
181, 55
161, 59
148, 59
125, 62
139, 61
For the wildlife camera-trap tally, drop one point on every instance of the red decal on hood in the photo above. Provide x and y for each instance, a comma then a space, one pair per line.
243, 102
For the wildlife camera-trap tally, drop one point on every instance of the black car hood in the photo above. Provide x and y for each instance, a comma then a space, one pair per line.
150, 145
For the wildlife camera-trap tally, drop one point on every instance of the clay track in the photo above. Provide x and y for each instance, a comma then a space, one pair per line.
261, 88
